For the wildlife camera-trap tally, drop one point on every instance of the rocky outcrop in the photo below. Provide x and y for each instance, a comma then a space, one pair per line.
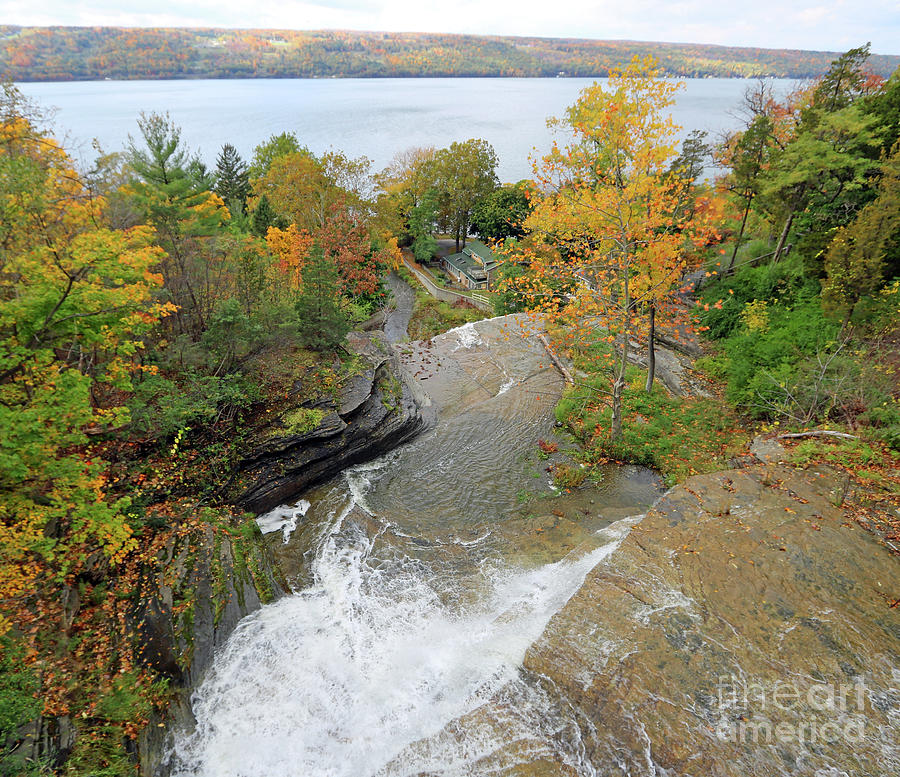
188, 607
745, 627
375, 411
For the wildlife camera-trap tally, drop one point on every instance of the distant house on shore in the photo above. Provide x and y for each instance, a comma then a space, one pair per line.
471, 267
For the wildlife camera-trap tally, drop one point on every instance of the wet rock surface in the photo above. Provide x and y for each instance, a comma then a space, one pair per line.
373, 412
224, 582
744, 627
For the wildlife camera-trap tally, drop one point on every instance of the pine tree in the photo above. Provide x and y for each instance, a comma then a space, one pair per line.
264, 216
232, 178
320, 322
170, 193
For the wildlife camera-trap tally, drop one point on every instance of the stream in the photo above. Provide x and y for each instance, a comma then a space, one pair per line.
420, 581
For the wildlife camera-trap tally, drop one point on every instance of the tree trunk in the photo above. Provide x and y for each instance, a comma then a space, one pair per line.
616, 422
457, 239
651, 350
618, 390
740, 234
783, 238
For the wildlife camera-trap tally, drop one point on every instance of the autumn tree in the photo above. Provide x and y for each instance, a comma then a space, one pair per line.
407, 200
268, 151
302, 188
290, 246
464, 173
75, 301
608, 221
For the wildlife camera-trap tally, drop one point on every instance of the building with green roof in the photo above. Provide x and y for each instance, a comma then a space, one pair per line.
471, 267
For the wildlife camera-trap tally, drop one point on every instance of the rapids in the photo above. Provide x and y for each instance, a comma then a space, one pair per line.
421, 579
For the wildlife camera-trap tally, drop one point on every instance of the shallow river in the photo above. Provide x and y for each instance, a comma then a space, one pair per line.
421, 580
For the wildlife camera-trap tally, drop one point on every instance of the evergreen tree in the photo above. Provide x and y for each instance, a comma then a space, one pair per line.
321, 324
232, 178
264, 216
857, 260
170, 194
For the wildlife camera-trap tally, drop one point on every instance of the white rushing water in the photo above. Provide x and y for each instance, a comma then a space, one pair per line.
345, 677
283, 518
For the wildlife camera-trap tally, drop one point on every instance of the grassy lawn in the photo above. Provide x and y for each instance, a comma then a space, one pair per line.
431, 316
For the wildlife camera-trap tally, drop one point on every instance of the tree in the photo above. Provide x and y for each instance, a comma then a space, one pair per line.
321, 323
404, 185
815, 176
421, 227
501, 213
264, 216
290, 247
694, 153
298, 189
608, 223
747, 154
846, 80
268, 151
75, 301
232, 178
855, 262
169, 192
464, 173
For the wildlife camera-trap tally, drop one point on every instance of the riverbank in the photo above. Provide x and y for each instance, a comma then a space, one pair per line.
685, 427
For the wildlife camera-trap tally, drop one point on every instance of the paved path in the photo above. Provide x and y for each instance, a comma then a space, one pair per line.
398, 319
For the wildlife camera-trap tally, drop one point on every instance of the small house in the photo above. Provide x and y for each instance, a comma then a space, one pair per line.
471, 267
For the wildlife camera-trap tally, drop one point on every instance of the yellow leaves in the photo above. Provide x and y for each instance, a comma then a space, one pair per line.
756, 315
392, 254
291, 247
212, 206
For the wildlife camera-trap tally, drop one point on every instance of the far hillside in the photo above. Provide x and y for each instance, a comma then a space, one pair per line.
96, 53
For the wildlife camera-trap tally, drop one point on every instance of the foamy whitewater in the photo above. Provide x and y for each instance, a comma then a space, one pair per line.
346, 676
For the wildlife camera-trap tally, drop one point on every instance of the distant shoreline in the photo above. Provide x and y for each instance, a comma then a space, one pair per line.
189, 77
58, 54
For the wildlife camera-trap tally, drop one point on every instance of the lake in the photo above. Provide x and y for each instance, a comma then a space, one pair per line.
362, 117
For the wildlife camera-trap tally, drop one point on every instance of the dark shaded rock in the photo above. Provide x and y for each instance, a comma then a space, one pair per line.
376, 411
219, 583
358, 389
155, 633
46, 740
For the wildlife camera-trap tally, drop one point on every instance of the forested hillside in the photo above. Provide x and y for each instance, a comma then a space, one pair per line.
89, 53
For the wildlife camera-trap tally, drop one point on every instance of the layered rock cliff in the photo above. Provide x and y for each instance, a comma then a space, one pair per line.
374, 411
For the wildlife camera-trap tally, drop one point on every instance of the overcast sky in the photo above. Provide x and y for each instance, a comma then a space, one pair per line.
833, 25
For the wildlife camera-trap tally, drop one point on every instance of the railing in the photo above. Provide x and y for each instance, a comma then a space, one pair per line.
738, 265
480, 301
